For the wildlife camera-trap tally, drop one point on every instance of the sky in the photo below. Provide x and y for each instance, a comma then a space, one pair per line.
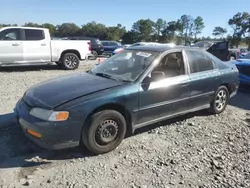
111, 12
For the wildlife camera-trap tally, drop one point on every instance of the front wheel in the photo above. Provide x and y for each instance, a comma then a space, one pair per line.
93, 56
104, 131
70, 61
220, 100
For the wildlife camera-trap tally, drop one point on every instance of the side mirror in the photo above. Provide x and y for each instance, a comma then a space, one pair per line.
157, 75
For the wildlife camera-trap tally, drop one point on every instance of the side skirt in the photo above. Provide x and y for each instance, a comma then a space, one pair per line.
170, 116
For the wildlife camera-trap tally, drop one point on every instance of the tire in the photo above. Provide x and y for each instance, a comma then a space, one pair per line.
97, 124
95, 55
70, 61
232, 58
220, 100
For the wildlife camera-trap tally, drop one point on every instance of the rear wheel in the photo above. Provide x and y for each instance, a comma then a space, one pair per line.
70, 61
94, 55
220, 100
232, 58
104, 131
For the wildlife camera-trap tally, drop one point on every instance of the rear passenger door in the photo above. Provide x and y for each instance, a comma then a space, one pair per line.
203, 78
36, 47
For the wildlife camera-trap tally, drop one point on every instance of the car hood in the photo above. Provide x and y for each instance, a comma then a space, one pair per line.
54, 92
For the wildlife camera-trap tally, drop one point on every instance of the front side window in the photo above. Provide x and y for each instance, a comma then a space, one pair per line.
171, 65
126, 66
199, 61
33, 34
10, 34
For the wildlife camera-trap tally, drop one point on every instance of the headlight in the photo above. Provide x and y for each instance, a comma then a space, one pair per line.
49, 115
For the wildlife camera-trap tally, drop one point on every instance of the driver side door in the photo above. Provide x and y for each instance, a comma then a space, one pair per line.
165, 97
11, 46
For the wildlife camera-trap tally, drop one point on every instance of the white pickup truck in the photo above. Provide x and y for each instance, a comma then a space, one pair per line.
32, 46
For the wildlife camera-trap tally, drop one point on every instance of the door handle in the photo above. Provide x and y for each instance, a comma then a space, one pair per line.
15, 44
43, 44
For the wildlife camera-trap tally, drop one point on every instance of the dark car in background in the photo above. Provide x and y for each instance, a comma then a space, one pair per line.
97, 48
140, 86
243, 65
217, 48
110, 46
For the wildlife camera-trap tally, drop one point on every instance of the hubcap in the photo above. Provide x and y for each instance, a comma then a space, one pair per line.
221, 100
106, 132
71, 61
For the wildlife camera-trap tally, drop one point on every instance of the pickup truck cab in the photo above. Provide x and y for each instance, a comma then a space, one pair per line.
32, 46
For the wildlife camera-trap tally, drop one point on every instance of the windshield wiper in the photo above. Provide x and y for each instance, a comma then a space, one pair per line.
110, 77
103, 75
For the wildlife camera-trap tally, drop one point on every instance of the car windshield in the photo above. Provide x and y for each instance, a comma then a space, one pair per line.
126, 66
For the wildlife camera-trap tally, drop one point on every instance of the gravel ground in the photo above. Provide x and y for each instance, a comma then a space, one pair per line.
196, 150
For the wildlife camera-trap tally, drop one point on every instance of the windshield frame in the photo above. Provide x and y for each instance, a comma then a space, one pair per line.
156, 55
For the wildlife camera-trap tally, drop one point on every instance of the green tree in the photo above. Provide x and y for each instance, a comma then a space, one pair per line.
115, 33
31, 24
159, 26
51, 27
144, 28
219, 31
185, 27
67, 29
198, 26
240, 25
94, 29
169, 32
130, 37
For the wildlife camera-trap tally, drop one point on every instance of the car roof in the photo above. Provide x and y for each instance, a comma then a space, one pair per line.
160, 48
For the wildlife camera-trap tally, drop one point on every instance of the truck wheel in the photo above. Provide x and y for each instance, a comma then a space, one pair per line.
220, 100
104, 131
70, 61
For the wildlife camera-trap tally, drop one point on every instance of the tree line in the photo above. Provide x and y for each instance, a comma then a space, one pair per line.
182, 31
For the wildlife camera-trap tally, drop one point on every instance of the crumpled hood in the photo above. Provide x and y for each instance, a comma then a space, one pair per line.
54, 92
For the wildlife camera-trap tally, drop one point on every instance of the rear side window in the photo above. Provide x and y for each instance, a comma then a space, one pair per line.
199, 61
33, 34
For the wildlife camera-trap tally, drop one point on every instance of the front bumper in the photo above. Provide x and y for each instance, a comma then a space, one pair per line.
54, 135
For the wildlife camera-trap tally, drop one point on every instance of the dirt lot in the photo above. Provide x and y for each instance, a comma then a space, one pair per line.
196, 150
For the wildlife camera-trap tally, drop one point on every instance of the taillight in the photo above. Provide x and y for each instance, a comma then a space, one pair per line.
89, 43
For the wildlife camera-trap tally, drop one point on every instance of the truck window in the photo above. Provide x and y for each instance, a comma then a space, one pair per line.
10, 34
34, 34
199, 61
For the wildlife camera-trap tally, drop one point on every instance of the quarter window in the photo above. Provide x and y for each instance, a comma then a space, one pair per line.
199, 61
33, 34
